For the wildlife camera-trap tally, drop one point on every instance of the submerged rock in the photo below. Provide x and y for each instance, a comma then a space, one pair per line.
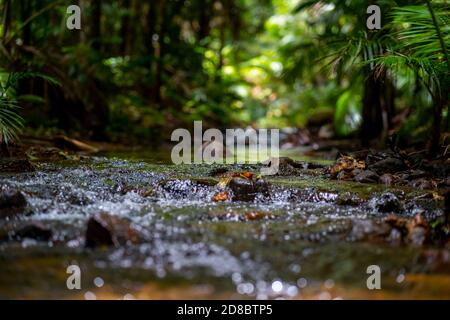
36, 231
247, 190
106, 230
387, 202
395, 237
418, 230
348, 199
12, 202
369, 230
286, 166
415, 231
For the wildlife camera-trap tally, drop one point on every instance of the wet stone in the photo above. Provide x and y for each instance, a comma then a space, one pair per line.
36, 231
418, 230
286, 166
12, 202
369, 230
367, 176
395, 237
418, 236
387, 202
348, 199
108, 230
247, 190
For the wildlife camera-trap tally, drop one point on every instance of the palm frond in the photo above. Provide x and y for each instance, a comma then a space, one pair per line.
418, 35
11, 122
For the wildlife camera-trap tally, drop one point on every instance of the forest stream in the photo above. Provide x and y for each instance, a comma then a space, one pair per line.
141, 228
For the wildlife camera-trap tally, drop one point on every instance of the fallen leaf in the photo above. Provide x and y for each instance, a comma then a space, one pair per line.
346, 163
221, 196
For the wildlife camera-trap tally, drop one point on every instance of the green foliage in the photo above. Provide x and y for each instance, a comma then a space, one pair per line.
10, 122
347, 116
142, 67
421, 46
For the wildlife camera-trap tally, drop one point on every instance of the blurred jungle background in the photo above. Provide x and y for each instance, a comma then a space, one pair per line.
139, 69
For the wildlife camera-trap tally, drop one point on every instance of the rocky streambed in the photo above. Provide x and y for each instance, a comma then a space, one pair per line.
139, 229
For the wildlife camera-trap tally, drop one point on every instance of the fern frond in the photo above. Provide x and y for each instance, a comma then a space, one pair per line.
11, 122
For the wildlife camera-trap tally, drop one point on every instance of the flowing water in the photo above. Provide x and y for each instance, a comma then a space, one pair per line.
294, 243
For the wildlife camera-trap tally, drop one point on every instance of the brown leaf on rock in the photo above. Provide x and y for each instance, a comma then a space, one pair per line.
247, 175
347, 164
221, 196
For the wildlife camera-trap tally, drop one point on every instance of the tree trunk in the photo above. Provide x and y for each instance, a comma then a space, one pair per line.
378, 107
159, 53
436, 132
96, 24
25, 13
125, 29
6, 18
204, 19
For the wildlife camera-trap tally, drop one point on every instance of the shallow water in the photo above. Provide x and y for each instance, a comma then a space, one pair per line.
196, 248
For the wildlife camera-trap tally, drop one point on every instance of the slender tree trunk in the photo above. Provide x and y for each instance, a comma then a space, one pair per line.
151, 26
6, 18
96, 24
378, 107
220, 53
372, 124
204, 19
25, 13
125, 29
436, 132
159, 53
